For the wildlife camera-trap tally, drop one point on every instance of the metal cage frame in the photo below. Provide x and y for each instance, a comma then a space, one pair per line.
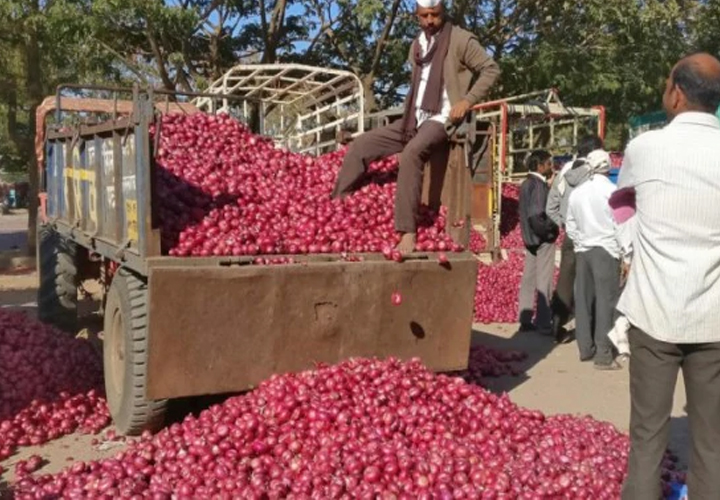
525, 117
302, 108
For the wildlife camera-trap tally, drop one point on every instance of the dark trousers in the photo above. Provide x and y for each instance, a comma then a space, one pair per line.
564, 296
597, 283
382, 142
537, 282
654, 369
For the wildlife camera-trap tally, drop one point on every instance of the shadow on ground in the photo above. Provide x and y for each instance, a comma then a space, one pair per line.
506, 338
13, 240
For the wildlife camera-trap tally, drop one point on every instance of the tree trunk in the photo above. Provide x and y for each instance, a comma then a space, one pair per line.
34, 91
370, 101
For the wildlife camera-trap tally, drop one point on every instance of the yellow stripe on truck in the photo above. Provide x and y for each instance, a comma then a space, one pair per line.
79, 174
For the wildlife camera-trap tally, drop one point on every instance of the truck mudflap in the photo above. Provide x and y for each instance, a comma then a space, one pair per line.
225, 329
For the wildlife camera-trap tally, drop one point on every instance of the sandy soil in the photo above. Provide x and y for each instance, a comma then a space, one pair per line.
553, 381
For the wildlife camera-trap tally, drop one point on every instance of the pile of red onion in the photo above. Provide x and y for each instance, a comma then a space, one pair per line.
510, 234
50, 384
498, 285
360, 429
226, 191
478, 244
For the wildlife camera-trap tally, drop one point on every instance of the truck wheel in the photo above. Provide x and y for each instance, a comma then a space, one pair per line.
125, 353
58, 291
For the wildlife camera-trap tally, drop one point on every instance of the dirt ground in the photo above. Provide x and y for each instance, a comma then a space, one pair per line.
553, 381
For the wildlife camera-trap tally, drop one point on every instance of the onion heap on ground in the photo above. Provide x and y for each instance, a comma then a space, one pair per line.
360, 429
51, 384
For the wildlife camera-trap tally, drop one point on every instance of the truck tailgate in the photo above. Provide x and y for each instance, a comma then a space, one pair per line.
225, 329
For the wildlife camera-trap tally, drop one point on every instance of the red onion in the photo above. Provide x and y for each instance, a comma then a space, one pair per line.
50, 384
477, 242
225, 191
360, 429
510, 233
496, 294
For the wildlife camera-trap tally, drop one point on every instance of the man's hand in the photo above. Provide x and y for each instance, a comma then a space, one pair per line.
459, 111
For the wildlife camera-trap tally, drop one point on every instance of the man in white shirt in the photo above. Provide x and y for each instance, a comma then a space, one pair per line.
672, 297
451, 73
563, 300
591, 227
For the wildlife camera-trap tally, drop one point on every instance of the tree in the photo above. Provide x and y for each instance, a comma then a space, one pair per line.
368, 37
44, 44
704, 22
609, 52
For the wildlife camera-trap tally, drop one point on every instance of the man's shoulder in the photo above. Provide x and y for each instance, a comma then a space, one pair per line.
461, 34
649, 138
566, 168
580, 191
527, 184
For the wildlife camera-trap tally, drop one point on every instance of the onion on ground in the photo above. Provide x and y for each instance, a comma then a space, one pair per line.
360, 429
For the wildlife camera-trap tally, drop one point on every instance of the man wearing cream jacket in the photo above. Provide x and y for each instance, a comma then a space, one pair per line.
451, 73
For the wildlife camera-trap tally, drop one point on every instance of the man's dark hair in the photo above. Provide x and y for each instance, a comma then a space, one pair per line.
701, 88
588, 144
537, 158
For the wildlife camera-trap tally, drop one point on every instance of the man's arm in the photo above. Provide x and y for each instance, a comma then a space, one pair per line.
477, 60
553, 203
540, 224
571, 227
625, 234
484, 68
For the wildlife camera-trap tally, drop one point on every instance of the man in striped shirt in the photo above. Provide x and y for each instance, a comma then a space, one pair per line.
672, 297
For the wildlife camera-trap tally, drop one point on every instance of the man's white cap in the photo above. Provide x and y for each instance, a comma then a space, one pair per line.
428, 4
599, 161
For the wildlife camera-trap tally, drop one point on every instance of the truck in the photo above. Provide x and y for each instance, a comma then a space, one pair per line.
176, 327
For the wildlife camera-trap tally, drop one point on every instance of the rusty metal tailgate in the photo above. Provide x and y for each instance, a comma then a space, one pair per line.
224, 329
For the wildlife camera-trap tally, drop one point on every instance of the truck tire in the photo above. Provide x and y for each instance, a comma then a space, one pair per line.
58, 291
125, 354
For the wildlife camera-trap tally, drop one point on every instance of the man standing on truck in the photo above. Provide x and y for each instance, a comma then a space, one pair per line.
451, 73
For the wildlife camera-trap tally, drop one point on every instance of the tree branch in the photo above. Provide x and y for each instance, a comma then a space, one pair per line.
159, 58
132, 67
380, 44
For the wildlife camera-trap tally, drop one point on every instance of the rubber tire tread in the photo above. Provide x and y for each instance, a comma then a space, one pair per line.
136, 413
57, 294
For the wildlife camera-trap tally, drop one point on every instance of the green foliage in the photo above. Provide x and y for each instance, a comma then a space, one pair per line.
611, 52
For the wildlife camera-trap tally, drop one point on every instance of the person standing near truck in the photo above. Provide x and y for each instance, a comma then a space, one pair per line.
539, 233
564, 297
451, 73
591, 227
672, 295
